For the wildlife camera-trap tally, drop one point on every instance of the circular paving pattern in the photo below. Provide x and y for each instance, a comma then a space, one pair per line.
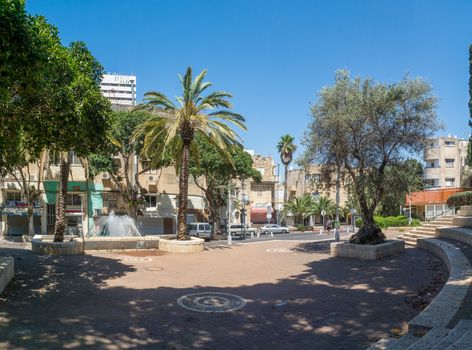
134, 259
211, 302
154, 268
279, 250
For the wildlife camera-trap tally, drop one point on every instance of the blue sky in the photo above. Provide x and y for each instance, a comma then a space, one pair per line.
273, 56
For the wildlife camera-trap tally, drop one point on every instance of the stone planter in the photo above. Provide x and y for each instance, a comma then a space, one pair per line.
7, 271
168, 243
367, 252
44, 244
113, 243
465, 210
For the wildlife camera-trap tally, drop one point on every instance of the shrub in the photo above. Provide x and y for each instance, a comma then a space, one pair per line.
300, 228
460, 199
390, 221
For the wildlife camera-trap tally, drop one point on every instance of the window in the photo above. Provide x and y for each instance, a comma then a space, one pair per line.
450, 181
432, 163
449, 163
51, 214
74, 159
449, 143
431, 183
73, 225
13, 196
150, 201
73, 199
312, 178
54, 158
109, 200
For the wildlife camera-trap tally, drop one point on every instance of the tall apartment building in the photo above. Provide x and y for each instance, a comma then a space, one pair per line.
444, 159
119, 89
444, 175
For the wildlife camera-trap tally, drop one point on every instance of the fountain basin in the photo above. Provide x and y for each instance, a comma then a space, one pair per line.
111, 243
169, 243
44, 244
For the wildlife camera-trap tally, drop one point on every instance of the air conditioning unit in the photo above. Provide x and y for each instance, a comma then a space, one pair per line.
105, 176
33, 177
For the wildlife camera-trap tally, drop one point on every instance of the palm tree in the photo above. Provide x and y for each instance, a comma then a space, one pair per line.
300, 208
286, 148
325, 206
174, 127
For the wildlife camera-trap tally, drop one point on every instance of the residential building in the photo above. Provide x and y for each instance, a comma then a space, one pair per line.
87, 200
444, 174
119, 89
256, 200
307, 181
444, 159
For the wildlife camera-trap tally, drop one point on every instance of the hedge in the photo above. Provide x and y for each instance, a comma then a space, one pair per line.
390, 221
460, 199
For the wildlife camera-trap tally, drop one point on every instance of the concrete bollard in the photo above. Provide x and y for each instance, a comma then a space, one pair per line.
348, 229
252, 235
321, 231
271, 234
258, 234
230, 240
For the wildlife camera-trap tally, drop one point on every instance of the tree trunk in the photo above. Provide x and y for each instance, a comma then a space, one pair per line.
369, 233
183, 193
60, 227
285, 184
30, 220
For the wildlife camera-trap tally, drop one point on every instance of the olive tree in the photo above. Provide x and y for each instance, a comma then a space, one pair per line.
363, 126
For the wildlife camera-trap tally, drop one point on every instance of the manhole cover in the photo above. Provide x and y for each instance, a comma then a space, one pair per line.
278, 250
154, 268
134, 259
211, 302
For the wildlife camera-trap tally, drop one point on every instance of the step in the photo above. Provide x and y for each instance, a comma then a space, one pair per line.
431, 338
415, 235
459, 330
434, 225
408, 240
426, 232
463, 343
383, 344
404, 342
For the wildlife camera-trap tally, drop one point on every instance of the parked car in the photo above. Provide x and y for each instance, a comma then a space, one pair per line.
200, 229
274, 228
237, 229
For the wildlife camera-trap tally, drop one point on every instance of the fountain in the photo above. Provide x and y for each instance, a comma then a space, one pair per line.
115, 226
118, 232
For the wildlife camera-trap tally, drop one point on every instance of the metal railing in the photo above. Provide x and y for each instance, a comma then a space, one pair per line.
448, 211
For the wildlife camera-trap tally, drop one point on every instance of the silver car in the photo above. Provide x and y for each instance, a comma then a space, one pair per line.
200, 229
273, 228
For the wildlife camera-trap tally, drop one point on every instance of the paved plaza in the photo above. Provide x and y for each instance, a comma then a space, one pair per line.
277, 294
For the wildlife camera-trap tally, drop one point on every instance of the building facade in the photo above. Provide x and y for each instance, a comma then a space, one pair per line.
307, 181
119, 89
445, 173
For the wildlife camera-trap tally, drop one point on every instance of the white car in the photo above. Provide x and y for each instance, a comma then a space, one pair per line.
200, 229
238, 229
273, 228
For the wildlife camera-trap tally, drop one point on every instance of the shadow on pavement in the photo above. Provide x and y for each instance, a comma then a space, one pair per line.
64, 302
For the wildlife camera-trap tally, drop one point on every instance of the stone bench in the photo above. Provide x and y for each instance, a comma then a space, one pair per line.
445, 305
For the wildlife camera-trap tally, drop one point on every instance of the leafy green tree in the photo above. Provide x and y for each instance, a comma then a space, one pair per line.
213, 171
82, 124
380, 124
123, 146
194, 116
286, 148
400, 179
300, 208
